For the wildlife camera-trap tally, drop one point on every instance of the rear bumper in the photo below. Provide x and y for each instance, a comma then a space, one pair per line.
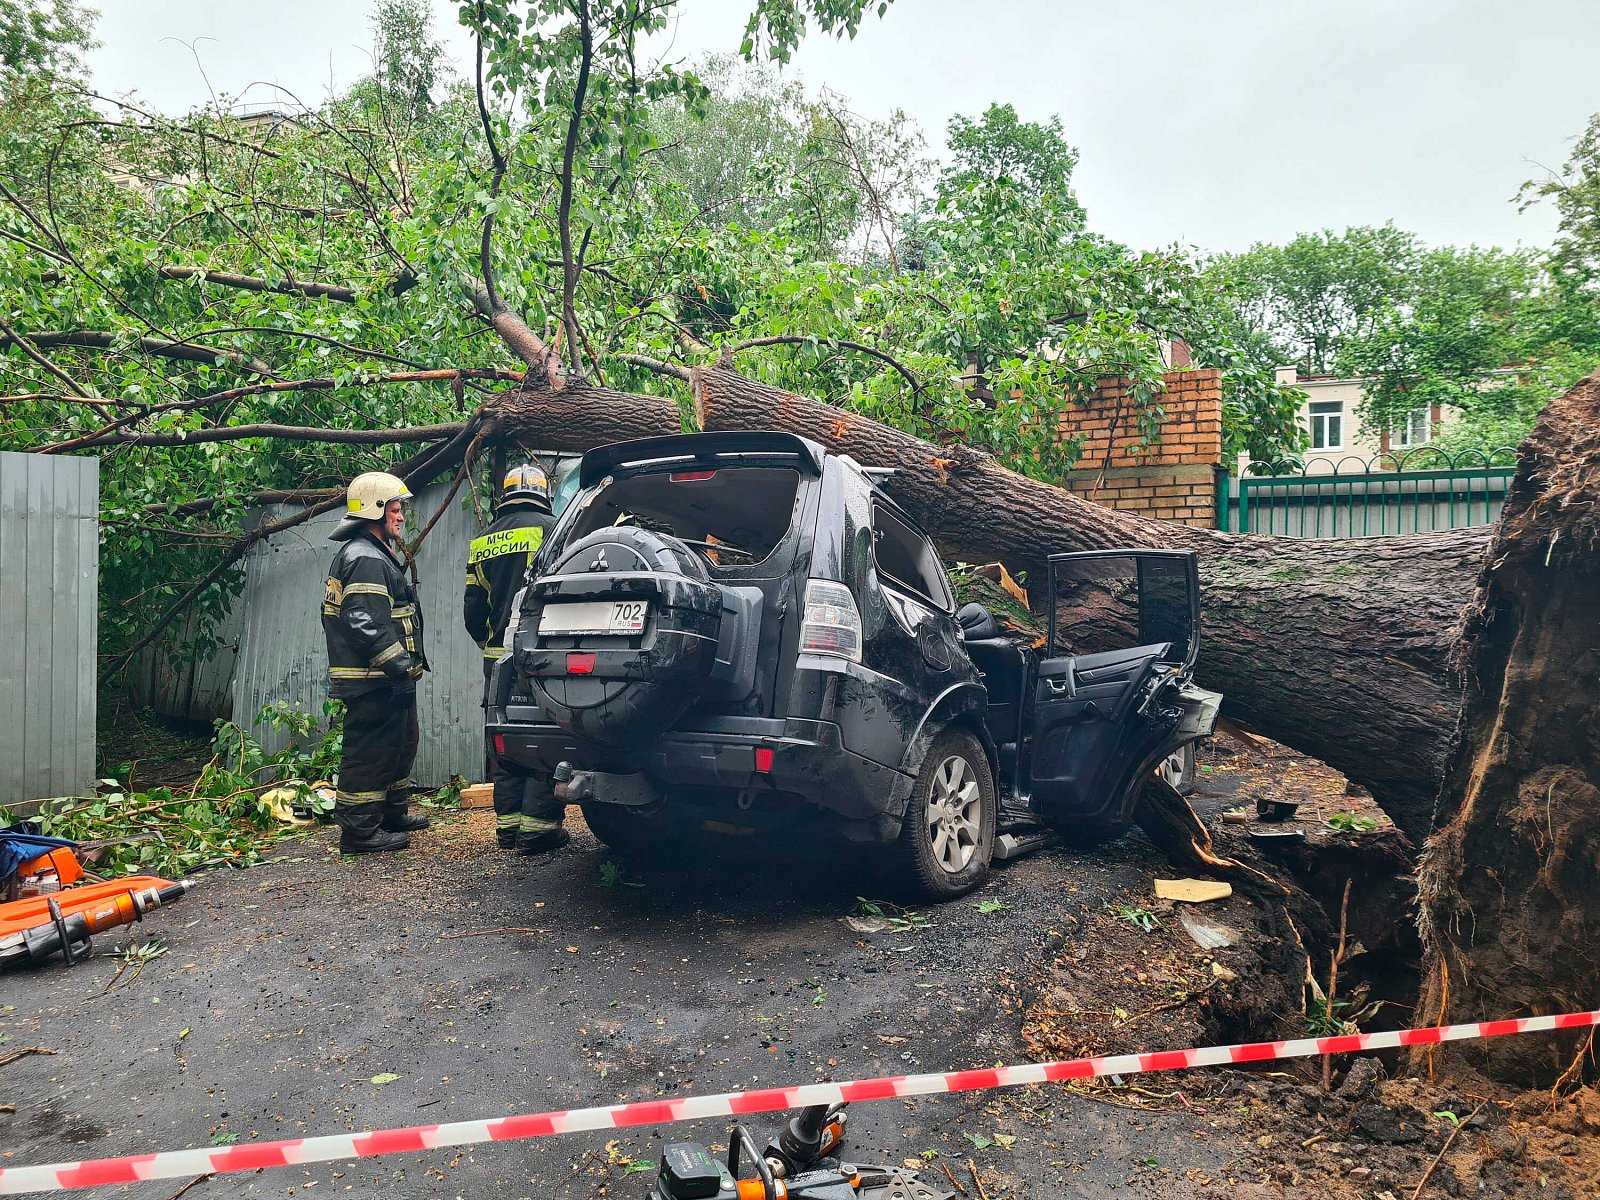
808, 761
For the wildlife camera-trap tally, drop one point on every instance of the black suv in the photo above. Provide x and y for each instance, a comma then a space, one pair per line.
743, 633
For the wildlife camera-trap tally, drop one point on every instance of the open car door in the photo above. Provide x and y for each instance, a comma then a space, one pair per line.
1113, 695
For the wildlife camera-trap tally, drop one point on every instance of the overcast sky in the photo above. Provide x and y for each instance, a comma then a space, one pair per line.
1215, 123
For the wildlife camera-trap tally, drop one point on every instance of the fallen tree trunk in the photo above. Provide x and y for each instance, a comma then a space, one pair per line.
581, 416
1510, 923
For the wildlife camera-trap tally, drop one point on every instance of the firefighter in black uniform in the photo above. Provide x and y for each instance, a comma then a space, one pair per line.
374, 632
527, 815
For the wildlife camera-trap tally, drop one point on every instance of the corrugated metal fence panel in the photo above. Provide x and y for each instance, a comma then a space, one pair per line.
49, 579
449, 697
281, 655
183, 685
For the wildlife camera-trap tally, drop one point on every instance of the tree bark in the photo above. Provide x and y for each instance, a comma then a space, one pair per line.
582, 416
1338, 648
1510, 923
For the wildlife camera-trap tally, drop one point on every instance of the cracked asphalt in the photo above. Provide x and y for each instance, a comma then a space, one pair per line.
487, 984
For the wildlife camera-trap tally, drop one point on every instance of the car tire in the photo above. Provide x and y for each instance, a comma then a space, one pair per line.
947, 837
622, 829
1178, 769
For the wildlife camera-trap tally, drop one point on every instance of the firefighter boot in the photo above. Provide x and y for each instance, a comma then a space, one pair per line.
361, 831
535, 836
396, 818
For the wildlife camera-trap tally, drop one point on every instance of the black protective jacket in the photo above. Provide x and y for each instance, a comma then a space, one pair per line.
497, 567
369, 617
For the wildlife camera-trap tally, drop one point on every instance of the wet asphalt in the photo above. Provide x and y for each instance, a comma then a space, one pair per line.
490, 984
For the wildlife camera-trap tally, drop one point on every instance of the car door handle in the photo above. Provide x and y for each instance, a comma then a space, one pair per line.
1058, 687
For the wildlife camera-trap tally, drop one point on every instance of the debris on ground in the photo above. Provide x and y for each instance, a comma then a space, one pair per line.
1230, 973
1192, 891
225, 809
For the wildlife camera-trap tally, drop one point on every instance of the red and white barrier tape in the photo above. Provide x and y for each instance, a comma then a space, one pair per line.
181, 1164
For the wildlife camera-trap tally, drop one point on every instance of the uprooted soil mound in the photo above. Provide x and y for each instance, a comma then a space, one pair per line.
1133, 977
1372, 1137
1132, 980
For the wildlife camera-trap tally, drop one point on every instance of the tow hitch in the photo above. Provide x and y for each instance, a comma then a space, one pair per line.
573, 786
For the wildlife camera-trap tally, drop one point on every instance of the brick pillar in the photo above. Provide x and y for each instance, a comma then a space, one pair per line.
1174, 478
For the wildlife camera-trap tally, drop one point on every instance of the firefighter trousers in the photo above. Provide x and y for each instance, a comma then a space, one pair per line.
380, 744
524, 806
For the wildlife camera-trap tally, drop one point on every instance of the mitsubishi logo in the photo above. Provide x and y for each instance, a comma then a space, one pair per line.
599, 563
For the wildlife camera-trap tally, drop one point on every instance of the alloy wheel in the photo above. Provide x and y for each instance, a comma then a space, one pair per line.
955, 803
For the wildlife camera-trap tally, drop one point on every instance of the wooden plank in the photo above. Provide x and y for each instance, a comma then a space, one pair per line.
478, 795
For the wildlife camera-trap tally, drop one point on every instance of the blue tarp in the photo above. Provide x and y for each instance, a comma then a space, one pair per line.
20, 843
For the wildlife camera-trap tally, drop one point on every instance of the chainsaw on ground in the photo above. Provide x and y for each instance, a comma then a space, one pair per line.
50, 904
801, 1163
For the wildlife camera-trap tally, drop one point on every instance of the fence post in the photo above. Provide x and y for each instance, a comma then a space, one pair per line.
1244, 505
1223, 479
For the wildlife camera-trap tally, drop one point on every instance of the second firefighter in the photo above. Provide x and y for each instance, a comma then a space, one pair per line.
527, 815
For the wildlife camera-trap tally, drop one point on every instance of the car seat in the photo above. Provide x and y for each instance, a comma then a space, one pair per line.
1000, 663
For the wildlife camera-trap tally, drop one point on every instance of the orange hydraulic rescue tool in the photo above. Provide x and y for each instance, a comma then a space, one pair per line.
60, 917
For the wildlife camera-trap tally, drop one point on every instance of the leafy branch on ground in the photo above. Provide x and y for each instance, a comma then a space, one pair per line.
1141, 918
245, 800
895, 918
1349, 822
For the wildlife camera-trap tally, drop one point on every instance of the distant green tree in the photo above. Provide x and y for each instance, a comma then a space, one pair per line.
1318, 290
1467, 319
45, 35
1575, 192
1000, 145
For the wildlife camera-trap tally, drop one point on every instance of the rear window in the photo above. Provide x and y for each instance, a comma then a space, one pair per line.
737, 517
906, 559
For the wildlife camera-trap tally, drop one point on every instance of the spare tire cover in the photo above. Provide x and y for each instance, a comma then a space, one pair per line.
611, 713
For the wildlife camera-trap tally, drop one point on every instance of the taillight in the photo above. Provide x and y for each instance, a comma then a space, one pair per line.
764, 759
579, 663
832, 624
691, 476
500, 745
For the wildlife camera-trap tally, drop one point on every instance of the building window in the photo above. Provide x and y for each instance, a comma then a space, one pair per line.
1327, 425
1415, 430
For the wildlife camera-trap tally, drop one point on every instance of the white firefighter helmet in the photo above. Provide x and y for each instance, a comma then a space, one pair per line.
525, 485
368, 494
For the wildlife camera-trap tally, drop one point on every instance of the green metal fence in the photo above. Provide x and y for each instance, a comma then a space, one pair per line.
1413, 491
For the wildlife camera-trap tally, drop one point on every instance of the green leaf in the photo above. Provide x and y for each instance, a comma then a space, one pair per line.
383, 1078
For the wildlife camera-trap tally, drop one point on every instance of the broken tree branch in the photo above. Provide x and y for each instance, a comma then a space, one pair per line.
569, 283
291, 433
104, 339
655, 364
273, 496
320, 384
23, 1053
514, 332
28, 348
497, 163
252, 283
